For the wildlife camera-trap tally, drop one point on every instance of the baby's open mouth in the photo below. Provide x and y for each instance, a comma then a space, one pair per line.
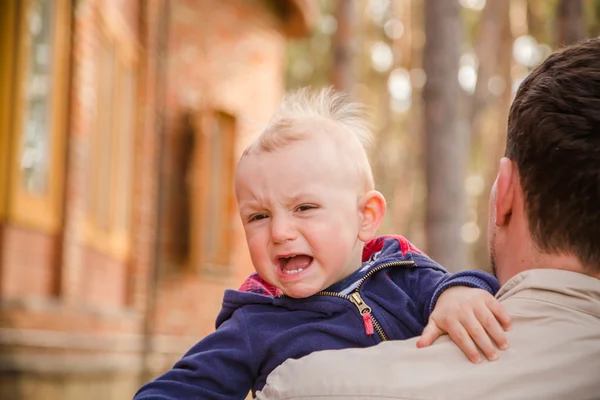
294, 264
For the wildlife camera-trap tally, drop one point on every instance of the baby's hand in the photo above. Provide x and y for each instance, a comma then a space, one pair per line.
472, 317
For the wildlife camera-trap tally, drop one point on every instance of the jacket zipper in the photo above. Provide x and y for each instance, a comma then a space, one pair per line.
371, 324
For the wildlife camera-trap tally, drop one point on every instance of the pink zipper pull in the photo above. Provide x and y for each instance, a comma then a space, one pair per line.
364, 310
368, 323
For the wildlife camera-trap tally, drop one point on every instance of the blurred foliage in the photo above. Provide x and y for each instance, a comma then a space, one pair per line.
388, 42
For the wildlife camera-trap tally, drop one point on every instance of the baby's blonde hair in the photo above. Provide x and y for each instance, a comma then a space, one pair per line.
325, 107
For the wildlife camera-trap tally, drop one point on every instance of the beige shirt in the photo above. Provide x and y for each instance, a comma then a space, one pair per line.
554, 354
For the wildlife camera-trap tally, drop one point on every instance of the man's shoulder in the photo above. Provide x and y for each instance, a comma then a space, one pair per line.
548, 340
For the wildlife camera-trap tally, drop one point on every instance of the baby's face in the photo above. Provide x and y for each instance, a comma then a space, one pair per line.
301, 217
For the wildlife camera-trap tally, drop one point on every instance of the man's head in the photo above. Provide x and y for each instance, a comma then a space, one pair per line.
305, 193
545, 204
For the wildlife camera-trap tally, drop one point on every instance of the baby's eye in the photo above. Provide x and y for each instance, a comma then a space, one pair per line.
305, 207
257, 217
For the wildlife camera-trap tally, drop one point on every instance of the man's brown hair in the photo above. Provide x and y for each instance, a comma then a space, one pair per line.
554, 139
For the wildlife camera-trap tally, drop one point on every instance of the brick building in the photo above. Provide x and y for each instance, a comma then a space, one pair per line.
120, 125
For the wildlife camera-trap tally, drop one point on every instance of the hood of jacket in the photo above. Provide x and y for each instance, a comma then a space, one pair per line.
255, 290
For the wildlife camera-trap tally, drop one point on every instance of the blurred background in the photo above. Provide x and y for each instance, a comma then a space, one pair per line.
121, 122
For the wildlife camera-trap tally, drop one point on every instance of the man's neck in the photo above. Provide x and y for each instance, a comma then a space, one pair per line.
565, 262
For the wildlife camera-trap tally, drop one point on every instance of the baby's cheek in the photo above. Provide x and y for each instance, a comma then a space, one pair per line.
257, 249
336, 248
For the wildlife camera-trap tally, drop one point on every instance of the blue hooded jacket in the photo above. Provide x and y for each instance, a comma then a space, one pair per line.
256, 333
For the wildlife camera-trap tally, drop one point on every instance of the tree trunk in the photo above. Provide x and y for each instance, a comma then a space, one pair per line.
446, 147
383, 166
491, 138
342, 71
486, 47
570, 25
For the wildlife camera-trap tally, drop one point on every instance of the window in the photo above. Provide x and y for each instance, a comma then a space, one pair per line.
213, 195
35, 50
8, 21
111, 165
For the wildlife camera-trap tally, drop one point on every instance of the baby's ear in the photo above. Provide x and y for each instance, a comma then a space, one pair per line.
372, 207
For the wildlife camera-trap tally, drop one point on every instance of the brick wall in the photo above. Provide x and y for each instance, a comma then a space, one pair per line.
73, 319
36, 256
226, 56
71, 316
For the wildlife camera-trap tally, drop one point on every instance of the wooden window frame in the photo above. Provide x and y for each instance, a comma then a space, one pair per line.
8, 21
203, 171
114, 237
41, 212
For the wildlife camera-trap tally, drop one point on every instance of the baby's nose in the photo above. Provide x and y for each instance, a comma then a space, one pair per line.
282, 230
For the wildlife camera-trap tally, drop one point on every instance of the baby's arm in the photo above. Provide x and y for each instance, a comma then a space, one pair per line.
472, 318
221, 366
466, 295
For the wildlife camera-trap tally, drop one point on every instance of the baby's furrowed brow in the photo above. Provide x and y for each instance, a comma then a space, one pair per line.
249, 205
300, 199
248, 208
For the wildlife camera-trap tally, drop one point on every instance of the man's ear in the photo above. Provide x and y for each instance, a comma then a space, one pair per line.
505, 191
372, 208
